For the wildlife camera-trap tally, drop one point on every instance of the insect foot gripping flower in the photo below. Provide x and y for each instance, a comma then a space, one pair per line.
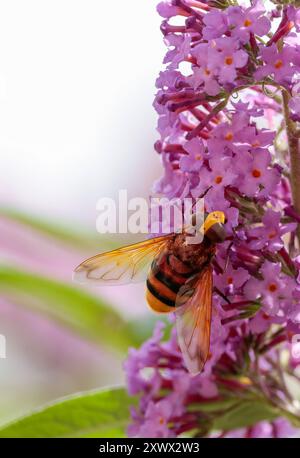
228, 119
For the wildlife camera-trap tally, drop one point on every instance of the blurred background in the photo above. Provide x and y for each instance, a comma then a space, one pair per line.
76, 124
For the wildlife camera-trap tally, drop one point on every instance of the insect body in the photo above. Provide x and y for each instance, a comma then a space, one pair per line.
179, 280
171, 271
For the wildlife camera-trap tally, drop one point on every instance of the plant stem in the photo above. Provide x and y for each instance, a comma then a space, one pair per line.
293, 147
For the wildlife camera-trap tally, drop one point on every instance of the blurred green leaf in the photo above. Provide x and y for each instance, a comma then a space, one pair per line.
142, 328
71, 306
103, 413
77, 238
244, 414
213, 406
231, 413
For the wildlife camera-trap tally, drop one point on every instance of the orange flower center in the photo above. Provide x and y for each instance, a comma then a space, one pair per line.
218, 179
247, 23
245, 381
229, 280
256, 173
229, 136
161, 421
198, 157
272, 235
229, 60
255, 144
278, 64
272, 287
207, 72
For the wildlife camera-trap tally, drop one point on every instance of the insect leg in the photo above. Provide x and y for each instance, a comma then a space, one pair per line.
216, 290
227, 256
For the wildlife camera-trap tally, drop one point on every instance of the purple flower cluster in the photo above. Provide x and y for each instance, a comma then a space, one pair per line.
228, 109
173, 403
279, 428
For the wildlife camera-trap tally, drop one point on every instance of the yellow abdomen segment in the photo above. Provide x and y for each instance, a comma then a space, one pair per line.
159, 296
156, 305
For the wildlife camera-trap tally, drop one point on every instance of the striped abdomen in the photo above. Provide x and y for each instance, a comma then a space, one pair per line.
167, 276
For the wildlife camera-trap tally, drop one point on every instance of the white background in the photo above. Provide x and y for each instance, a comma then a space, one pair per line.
76, 91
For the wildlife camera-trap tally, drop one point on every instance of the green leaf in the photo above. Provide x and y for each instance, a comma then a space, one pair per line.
102, 413
244, 414
71, 306
213, 406
142, 328
79, 239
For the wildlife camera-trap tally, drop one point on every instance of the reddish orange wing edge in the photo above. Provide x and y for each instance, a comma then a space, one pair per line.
194, 320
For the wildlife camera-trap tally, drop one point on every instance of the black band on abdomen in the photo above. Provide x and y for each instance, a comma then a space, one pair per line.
158, 296
174, 287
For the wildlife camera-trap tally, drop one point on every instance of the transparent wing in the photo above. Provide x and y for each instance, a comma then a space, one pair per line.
124, 265
193, 319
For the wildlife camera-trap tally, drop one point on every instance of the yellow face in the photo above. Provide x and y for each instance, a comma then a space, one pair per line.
213, 218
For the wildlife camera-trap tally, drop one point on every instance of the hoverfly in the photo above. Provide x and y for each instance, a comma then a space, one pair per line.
180, 279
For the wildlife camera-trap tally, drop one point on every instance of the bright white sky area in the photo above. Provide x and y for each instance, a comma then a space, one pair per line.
76, 91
